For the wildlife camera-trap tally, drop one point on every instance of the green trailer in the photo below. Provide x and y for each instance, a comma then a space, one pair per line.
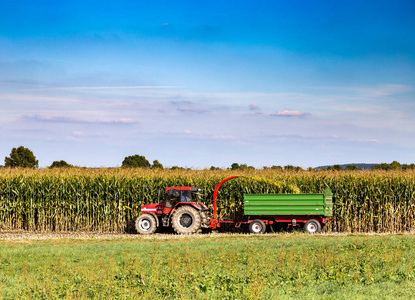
310, 210
289, 204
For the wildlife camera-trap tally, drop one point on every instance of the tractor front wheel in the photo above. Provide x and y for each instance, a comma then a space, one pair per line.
186, 220
146, 224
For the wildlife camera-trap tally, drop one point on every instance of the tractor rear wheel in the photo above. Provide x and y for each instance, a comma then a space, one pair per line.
146, 224
186, 220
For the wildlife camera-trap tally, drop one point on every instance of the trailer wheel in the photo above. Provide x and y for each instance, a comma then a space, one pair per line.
312, 226
257, 227
145, 224
186, 220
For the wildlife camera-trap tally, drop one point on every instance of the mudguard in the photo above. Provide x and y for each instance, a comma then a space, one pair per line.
155, 217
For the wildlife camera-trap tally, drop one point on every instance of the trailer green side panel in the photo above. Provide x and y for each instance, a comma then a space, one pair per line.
289, 204
328, 196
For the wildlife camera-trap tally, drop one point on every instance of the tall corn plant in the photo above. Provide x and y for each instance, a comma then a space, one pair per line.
108, 200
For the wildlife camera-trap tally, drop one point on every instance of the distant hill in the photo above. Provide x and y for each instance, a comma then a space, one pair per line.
359, 166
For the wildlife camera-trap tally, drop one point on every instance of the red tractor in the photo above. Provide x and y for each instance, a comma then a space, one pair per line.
180, 209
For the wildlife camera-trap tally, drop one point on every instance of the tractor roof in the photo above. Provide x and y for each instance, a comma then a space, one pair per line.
183, 188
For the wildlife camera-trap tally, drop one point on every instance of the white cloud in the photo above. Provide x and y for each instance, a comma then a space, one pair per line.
289, 113
39, 99
384, 90
191, 109
368, 140
80, 88
254, 107
60, 119
222, 137
367, 91
225, 120
79, 133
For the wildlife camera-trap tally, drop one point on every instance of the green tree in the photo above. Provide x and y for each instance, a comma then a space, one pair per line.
21, 157
156, 164
177, 168
135, 161
395, 165
408, 167
289, 168
351, 168
235, 166
385, 166
382, 166
335, 168
60, 164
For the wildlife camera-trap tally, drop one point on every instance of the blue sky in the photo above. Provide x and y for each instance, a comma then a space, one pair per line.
202, 83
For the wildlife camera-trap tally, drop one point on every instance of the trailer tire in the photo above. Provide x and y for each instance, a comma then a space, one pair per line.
186, 220
312, 226
146, 224
257, 227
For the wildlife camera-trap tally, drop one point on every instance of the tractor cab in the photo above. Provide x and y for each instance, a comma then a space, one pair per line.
174, 195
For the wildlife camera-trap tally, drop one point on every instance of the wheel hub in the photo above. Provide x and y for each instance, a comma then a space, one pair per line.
257, 228
185, 221
312, 228
144, 225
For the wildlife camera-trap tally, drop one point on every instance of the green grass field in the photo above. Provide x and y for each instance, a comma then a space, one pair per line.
272, 266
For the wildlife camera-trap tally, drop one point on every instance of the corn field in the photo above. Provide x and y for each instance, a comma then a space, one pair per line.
108, 200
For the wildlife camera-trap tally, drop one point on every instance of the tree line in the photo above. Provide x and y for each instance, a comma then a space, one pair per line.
24, 158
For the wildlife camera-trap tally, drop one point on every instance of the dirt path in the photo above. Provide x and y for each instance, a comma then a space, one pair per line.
33, 236
23, 235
